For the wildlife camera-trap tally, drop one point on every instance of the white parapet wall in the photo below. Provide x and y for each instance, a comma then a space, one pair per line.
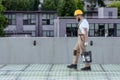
56, 50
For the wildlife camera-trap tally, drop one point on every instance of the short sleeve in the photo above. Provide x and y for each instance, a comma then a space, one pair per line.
85, 24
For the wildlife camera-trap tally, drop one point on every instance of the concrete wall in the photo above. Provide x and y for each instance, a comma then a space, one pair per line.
56, 50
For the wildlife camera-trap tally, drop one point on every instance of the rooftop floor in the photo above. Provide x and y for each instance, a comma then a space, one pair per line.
58, 72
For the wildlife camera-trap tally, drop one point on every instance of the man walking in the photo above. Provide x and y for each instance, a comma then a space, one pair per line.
83, 28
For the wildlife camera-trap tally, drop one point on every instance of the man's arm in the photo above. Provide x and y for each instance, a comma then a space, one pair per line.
86, 36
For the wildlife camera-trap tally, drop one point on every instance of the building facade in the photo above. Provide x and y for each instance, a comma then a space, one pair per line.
48, 24
104, 22
99, 27
30, 23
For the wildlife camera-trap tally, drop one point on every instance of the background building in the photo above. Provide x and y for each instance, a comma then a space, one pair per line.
98, 27
48, 24
30, 23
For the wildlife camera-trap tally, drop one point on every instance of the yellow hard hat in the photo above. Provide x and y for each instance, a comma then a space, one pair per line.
78, 12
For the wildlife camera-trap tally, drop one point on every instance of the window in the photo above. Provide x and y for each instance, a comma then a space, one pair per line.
48, 33
29, 19
71, 29
101, 30
111, 30
96, 29
91, 30
11, 18
48, 19
105, 29
118, 30
110, 14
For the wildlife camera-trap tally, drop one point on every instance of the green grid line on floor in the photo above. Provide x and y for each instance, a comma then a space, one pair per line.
111, 67
1, 66
96, 67
34, 73
3, 72
62, 78
14, 73
32, 78
92, 75
41, 67
60, 67
6, 77
59, 72
14, 67
113, 75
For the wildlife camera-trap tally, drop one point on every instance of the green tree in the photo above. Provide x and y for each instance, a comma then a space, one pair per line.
57, 3
95, 2
21, 5
49, 5
115, 4
79, 4
63, 7
35, 5
3, 20
67, 8
101, 3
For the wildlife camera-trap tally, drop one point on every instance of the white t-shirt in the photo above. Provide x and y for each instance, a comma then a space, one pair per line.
82, 25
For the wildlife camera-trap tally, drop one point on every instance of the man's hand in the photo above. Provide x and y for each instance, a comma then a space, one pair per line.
86, 43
